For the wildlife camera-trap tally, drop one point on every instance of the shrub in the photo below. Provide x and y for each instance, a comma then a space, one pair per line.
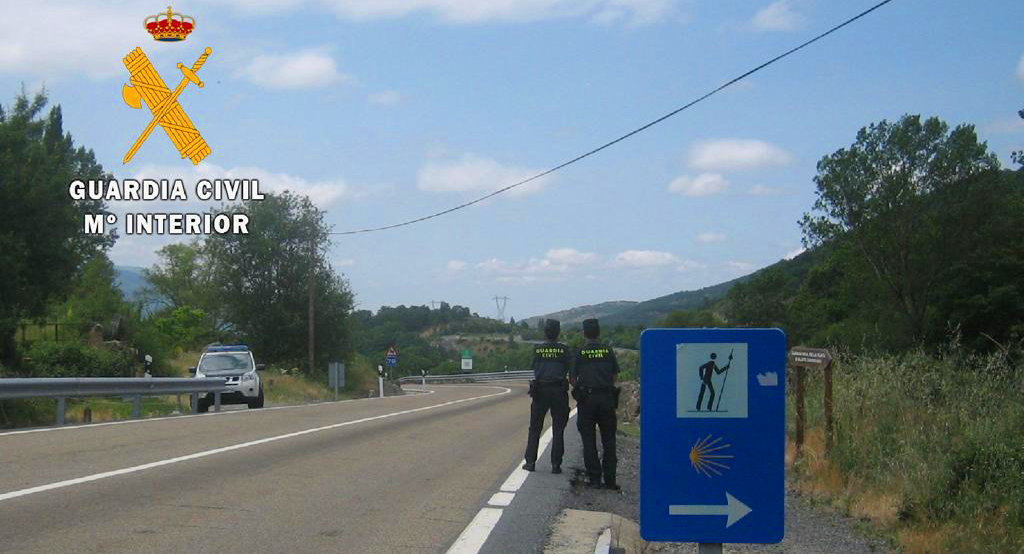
69, 359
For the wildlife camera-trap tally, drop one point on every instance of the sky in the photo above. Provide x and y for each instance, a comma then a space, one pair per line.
387, 110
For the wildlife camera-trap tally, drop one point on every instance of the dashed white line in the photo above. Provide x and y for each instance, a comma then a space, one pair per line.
475, 534
205, 453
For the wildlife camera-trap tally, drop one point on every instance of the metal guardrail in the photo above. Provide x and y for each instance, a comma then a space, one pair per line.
135, 388
470, 377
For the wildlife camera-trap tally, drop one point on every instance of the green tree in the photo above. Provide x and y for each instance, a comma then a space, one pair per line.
179, 279
760, 301
41, 226
96, 297
262, 279
879, 193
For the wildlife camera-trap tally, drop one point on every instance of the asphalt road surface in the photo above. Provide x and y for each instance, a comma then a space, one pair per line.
401, 474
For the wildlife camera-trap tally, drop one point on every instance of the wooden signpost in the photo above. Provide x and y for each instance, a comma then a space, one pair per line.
812, 358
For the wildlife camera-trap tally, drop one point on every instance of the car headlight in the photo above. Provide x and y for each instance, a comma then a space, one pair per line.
249, 377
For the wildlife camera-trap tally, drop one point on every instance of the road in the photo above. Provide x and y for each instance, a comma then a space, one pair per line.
401, 474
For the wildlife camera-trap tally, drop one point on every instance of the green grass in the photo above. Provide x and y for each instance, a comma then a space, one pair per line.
930, 448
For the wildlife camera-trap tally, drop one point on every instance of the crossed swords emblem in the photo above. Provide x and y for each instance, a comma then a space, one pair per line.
146, 85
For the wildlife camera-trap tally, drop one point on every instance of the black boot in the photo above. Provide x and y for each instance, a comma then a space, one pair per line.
529, 467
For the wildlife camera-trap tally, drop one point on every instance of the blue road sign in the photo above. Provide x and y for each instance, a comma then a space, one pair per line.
392, 361
713, 435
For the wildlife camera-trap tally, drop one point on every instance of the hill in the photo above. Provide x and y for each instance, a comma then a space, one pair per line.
650, 312
578, 314
130, 279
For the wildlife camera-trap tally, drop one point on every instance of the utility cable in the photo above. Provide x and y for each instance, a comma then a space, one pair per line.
625, 136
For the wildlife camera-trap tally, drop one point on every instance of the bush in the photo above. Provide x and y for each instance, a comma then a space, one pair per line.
68, 359
940, 435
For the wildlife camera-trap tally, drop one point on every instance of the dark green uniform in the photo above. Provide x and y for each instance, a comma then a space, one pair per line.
550, 391
594, 372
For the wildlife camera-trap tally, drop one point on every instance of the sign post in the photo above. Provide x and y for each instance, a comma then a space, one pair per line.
380, 381
391, 359
336, 376
812, 358
712, 459
423, 373
467, 360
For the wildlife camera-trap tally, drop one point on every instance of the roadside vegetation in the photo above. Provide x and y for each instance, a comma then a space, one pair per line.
913, 278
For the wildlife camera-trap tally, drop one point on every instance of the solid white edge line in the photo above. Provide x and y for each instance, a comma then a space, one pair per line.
210, 414
205, 453
475, 534
604, 542
481, 526
501, 499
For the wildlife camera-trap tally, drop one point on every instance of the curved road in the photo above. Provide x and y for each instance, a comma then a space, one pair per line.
401, 474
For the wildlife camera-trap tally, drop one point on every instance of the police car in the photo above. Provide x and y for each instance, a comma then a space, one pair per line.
236, 364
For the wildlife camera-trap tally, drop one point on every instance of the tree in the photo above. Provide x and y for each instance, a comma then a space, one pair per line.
96, 297
1018, 156
881, 193
759, 302
41, 226
179, 279
262, 281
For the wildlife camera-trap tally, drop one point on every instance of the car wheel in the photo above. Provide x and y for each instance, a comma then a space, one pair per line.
258, 402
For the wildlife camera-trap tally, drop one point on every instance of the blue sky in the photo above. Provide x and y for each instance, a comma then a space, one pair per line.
385, 110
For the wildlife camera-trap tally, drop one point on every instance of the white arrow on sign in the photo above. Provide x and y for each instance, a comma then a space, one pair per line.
734, 509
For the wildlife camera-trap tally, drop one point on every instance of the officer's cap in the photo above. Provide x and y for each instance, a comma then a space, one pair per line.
551, 328
591, 328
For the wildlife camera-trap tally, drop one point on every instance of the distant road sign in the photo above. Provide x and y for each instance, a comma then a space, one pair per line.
467, 364
713, 424
466, 354
813, 358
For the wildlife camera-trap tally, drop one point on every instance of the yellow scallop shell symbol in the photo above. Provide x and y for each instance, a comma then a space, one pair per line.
708, 456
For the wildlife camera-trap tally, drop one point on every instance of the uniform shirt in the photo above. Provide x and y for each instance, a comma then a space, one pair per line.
551, 361
595, 366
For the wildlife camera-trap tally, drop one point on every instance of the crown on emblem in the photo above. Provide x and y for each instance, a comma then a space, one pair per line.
170, 26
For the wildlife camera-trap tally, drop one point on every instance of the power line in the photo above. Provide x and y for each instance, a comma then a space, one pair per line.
625, 136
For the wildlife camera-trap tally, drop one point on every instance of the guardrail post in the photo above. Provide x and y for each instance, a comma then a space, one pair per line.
137, 406
60, 410
216, 401
194, 402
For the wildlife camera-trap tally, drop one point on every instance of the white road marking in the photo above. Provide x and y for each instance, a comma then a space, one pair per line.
475, 534
210, 414
604, 542
205, 453
501, 499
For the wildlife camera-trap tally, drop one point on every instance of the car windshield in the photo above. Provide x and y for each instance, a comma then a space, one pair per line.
228, 362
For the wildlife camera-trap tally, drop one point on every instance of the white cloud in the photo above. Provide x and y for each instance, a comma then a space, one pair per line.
51, 39
571, 256
794, 253
710, 237
322, 193
704, 184
297, 70
763, 190
455, 266
734, 154
644, 258
690, 265
476, 11
345, 262
385, 98
472, 173
533, 270
742, 266
780, 15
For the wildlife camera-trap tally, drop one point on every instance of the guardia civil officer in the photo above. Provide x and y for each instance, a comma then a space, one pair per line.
550, 391
597, 397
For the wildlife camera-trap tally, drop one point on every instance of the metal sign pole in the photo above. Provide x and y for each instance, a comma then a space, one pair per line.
380, 380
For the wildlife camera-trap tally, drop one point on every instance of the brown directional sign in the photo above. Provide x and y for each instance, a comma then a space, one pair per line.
814, 358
